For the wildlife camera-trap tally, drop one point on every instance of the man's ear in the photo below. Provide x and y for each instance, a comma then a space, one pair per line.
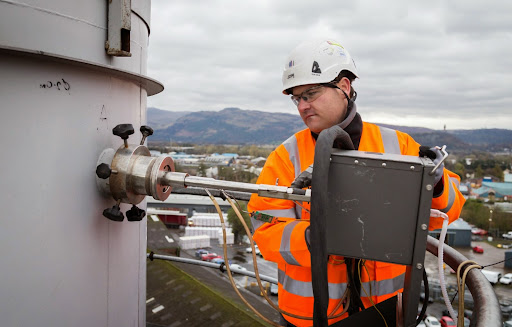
344, 84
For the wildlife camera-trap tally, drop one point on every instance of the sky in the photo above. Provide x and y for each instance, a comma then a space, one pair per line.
421, 63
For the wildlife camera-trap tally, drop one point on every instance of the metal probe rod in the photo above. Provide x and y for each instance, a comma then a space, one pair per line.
271, 191
210, 265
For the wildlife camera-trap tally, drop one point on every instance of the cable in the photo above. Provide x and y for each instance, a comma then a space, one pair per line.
461, 283
440, 261
300, 205
229, 269
369, 296
331, 316
489, 265
425, 301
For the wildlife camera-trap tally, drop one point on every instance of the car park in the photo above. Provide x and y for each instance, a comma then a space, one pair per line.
446, 321
431, 321
478, 249
506, 279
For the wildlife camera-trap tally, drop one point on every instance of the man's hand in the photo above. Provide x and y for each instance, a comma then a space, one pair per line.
304, 178
435, 154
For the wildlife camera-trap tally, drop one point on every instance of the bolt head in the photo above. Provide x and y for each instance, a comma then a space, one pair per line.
419, 266
424, 226
412, 167
384, 164
429, 187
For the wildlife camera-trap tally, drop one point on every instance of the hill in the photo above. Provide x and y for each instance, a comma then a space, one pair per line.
236, 126
229, 126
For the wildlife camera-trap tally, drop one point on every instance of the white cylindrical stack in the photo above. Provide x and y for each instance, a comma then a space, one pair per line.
62, 95
230, 237
194, 242
212, 232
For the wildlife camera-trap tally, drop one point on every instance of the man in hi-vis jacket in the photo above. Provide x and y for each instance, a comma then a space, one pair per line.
318, 75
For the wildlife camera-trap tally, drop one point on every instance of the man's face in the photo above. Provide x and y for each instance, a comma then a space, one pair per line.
325, 111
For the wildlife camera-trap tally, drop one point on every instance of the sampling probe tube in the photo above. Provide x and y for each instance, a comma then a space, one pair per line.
274, 191
152, 256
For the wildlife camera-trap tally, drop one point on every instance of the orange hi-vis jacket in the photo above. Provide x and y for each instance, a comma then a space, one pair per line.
284, 242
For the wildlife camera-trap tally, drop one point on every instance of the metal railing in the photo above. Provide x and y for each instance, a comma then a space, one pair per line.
486, 312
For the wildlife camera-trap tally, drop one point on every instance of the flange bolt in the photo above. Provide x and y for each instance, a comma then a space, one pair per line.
123, 131
146, 131
103, 171
114, 213
135, 214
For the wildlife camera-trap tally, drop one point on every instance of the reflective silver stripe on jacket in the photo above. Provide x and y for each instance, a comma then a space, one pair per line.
389, 140
451, 197
285, 248
293, 153
455, 181
383, 287
288, 213
305, 289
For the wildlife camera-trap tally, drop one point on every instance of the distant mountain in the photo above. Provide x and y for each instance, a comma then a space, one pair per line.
159, 119
229, 126
236, 126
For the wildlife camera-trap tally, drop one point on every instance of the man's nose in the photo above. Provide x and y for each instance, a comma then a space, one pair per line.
303, 105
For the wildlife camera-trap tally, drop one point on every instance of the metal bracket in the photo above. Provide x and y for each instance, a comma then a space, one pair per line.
119, 27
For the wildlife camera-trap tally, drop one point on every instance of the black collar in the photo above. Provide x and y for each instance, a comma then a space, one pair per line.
354, 129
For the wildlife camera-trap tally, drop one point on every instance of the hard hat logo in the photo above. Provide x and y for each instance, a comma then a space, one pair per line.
316, 68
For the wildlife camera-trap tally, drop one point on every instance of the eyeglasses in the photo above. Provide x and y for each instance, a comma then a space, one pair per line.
312, 93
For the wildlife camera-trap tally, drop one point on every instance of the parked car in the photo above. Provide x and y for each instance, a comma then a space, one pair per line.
492, 276
478, 231
506, 279
431, 321
200, 252
508, 235
446, 321
507, 323
249, 249
421, 324
506, 308
422, 298
236, 267
478, 249
218, 260
274, 289
467, 322
210, 256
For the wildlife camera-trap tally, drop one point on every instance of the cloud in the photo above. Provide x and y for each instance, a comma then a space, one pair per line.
435, 62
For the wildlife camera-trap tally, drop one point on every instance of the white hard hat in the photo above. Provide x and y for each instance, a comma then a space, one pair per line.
316, 61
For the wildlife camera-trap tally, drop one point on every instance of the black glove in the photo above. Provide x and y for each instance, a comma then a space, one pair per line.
304, 178
434, 153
